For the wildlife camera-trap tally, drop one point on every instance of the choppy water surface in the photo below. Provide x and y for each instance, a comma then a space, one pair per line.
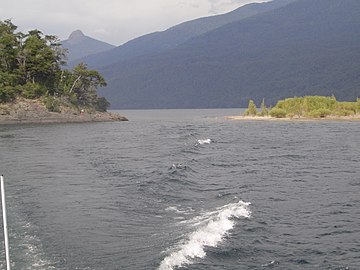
183, 190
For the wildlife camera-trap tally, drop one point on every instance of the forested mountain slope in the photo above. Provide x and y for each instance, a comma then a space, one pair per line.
309, 47
165, 40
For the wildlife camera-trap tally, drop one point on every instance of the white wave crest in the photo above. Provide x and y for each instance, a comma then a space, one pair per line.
207, 141
174, 209
211, 229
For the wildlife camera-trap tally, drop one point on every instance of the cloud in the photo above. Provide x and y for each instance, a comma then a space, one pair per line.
114, 21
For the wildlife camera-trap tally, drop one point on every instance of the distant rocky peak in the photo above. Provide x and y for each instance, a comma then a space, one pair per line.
76, 37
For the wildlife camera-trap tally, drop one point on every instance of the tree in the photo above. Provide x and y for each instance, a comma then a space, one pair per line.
8, 64
278, 112
251, 110
39, 59
8, 46
30, 66
102, 104
84, 85
264, 110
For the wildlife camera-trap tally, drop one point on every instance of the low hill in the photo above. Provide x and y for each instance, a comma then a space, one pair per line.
166, 40
79, 46
309, 47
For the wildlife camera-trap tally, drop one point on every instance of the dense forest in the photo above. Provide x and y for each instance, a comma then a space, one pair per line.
31, 67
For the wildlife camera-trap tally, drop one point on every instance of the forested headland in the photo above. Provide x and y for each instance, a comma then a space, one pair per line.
32, 69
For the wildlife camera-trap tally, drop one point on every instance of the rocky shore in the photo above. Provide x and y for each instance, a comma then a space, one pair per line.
25, 111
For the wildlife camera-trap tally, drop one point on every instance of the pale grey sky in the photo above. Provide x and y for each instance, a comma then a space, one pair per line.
113, 21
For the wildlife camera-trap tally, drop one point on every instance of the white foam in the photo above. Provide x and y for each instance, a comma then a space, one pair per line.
174, 209
211, 229
178, 166
207, 141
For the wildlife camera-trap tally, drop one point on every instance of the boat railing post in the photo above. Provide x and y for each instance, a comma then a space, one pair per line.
6, 239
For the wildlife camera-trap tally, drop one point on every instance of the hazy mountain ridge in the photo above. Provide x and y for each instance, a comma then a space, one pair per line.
80, 46
307, 47
159, 42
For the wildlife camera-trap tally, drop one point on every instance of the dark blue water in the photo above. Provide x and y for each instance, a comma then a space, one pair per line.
183, 190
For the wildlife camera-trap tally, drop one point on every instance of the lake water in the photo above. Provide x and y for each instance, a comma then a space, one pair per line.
183, 189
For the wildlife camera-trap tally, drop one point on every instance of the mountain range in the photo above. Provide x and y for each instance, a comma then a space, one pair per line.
158, 42
79, 46
261, 51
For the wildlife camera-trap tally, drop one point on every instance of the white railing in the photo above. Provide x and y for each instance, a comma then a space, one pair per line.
6, 239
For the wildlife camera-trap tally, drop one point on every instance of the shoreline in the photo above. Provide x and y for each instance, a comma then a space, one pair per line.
64, 119
34, 112
293, 119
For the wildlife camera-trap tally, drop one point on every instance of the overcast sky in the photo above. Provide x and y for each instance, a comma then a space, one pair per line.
113, 21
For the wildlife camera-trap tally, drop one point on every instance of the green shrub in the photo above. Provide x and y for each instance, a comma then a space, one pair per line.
4, 109
102, 104
7, 93
52, 104
294, 106
347, 106
73, 99
264, 109
278, 113
251, 110
319, 113
32, 90
8, 79
343, 112
312, 103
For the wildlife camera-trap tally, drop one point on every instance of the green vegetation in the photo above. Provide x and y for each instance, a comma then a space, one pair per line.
308, 106
30, 67
251, 110
277, 113
264, 109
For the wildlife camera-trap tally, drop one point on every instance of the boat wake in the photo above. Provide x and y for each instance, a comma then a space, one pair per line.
211, 227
